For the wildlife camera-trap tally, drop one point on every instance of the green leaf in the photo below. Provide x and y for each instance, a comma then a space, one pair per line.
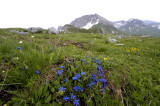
90, 103
45, 88
52, 90
35, 95
48, 99
40, 91
72, 68
56, 84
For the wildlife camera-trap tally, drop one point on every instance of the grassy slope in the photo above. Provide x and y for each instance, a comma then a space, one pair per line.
133, 69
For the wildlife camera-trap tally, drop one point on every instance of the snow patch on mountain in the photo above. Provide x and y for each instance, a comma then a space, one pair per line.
90, 24
117, 25
130, 19
159, 27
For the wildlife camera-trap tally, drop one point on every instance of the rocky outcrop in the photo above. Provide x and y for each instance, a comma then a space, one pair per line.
52, 30
19, 32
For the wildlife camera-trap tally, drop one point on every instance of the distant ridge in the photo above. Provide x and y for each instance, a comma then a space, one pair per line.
139, 27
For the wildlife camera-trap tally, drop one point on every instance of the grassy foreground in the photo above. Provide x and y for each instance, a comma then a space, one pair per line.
79, 69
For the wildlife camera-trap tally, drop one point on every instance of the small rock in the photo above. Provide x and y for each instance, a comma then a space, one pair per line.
113, 40
119, 44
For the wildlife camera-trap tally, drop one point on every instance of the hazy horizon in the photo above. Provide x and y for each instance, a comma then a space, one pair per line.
49, 13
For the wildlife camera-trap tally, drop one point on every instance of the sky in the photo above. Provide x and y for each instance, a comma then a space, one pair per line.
53, 13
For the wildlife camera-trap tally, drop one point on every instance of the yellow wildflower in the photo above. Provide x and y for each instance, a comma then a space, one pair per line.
105, 58
159, 62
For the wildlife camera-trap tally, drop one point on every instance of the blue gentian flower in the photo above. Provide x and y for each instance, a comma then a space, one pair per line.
18, 48
74, 78
95, 60
83, 73
76, 102
92, 82
86, 56
81, 89
76, 66
65, 80
100, 80
104, 80
37, 72
65, 98
60, 72
93, 76
97, 72
24, 68
62, 89
104, 84
86, 63
101, 75
72, 96
76, 88
103, 87
77, 75
90, 85
98, 62
102, 91
92, 60
82, 60
61, 66
99, 68
96, 80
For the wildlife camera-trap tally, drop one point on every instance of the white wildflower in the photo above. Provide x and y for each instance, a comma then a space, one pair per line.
20, 41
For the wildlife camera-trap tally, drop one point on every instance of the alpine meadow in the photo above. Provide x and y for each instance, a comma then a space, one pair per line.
78, 68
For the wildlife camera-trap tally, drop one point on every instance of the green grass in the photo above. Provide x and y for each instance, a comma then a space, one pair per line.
132, 70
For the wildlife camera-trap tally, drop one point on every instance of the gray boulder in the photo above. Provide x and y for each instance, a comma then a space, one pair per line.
52, 30
113, 40
35, 29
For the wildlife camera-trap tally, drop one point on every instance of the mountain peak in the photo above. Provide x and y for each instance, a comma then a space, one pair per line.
87, 21
139, 27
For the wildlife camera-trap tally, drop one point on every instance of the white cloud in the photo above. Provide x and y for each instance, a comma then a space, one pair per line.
48, 13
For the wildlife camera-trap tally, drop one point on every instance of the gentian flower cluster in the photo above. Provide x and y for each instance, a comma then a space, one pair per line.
94, 79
